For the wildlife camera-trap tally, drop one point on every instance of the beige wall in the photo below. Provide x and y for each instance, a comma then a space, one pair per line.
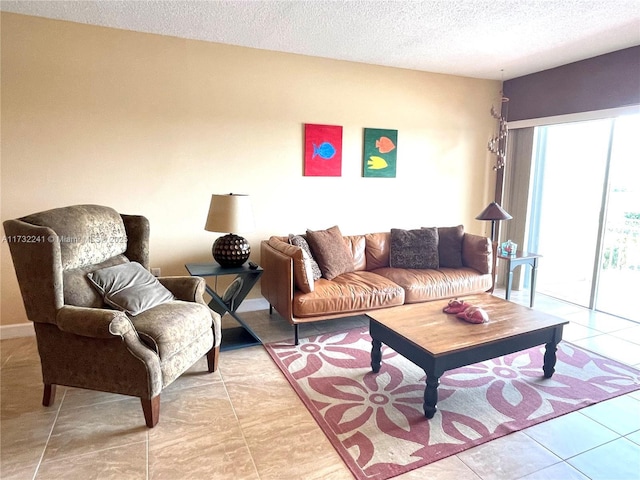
154, 125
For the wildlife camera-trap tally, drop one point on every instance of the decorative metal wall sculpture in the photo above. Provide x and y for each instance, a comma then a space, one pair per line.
498, 143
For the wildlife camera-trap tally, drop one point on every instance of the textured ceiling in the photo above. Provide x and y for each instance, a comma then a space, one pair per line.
475, 38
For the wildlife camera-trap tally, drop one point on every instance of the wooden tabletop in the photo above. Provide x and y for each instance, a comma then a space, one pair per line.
427, 326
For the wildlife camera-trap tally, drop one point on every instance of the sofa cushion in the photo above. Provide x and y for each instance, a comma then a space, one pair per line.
171, 327
350, 292
330, 251
450, 246
477, 253
423, 285
300, 241
358, 247
129, 287
377, 251
414, 248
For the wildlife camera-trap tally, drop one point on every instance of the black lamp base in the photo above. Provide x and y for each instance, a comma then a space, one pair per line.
231, 250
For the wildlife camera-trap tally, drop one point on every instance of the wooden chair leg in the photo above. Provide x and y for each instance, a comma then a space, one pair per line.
212, 358
49, 395
151, 409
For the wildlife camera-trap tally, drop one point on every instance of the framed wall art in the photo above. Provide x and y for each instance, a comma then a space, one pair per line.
322, 150
380, 153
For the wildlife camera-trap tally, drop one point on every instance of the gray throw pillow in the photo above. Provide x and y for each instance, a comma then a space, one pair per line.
129, 287
450, 246
414, 248
300, 241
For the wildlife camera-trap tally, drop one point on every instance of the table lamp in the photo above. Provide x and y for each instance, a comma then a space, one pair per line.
230, 213
494, 213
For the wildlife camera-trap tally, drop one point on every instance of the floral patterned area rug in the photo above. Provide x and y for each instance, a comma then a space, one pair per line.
376, 421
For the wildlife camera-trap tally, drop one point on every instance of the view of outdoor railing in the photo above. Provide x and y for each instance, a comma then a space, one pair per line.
622, 249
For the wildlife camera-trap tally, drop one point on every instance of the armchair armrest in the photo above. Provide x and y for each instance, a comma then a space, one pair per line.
103, 324
189, 289
93, 322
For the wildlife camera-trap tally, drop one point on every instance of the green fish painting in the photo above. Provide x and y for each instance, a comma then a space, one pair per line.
380, 153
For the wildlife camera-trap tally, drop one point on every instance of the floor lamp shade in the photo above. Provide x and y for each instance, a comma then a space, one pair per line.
228, 214
493, 213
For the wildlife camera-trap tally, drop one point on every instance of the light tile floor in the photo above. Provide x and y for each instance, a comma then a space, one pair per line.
245, 421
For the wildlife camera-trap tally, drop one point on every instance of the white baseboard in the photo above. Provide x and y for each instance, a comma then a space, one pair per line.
16, 330
26, 329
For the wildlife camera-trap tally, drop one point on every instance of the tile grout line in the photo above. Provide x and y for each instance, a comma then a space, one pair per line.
46, 444
147, 453
235, 414
566, 460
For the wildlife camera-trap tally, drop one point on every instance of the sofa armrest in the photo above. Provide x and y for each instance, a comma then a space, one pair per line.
189, 289
276, 284
477, 253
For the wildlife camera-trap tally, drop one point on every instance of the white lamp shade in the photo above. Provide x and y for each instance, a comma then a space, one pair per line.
230, 213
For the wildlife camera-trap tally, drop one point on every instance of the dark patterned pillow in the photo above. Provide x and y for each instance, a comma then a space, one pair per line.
414, 248
299, 241
330, 251
450, 246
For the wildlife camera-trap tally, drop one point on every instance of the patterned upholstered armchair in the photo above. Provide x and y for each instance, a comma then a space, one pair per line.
136, 350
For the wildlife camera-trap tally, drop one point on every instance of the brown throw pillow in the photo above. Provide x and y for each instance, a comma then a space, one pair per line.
450, 246
414, 248
330, 251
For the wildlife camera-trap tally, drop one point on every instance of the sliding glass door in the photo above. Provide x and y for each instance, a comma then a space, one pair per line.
619, 267
570, 164
585, 213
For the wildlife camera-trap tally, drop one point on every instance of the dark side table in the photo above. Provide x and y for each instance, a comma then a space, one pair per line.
521, 258
236, 337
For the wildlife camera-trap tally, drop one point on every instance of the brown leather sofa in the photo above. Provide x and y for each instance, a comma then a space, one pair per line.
372, 285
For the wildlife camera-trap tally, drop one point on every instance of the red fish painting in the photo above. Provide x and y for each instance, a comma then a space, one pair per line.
384, 145
322, 150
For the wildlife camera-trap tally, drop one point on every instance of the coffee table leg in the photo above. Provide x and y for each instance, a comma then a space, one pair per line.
550, 359
376, 355
431, 396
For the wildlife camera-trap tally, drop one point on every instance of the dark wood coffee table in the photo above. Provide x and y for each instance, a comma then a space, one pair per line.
437, 342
